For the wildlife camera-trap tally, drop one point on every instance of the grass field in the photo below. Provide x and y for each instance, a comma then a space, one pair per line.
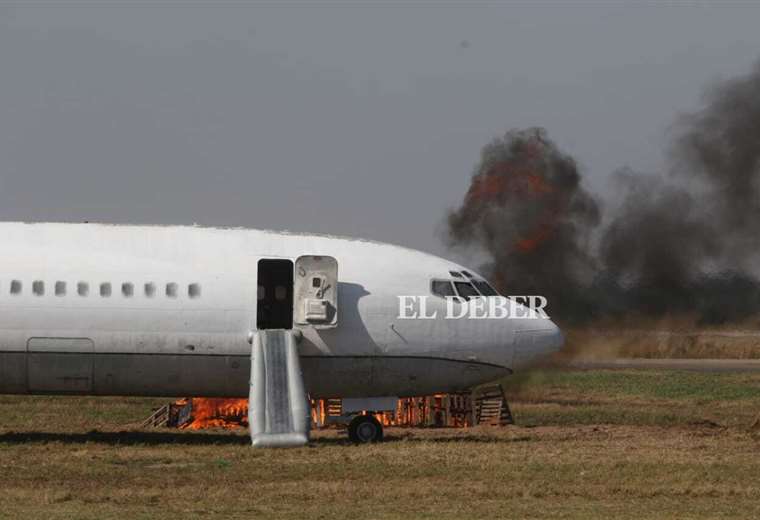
596, 444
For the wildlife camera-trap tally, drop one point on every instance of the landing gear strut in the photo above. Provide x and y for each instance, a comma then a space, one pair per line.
364, 429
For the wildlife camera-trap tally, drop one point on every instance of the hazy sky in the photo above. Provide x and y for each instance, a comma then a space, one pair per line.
363, 121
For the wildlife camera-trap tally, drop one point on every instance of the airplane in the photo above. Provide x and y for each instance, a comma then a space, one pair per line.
127, 310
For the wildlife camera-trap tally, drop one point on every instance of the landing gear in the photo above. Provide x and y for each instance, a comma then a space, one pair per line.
364, 429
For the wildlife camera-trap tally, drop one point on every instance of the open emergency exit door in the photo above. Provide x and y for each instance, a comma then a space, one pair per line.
278, 412
315, 291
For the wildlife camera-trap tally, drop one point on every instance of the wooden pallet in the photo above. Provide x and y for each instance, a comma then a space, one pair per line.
486, 406
172, 415
334, 407
160, 417
491, 407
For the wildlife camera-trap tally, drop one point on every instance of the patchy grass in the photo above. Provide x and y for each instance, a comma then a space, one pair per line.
643, 383
635, 397
620, 444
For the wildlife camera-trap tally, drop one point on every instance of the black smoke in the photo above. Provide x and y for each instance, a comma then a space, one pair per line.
526, 206
683, 242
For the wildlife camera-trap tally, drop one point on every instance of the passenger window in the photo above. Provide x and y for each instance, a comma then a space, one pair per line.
38, 288
127, 289
194, 290
150, 289
466, 290
83, 289
442, 288
16, 287
171, 290
105, 290
60, 288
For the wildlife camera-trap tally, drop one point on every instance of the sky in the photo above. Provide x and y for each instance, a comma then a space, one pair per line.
361, 119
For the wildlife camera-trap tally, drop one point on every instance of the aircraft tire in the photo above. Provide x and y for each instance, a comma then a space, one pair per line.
364, 429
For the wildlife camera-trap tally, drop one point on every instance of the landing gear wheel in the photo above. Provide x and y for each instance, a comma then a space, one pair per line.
364, 429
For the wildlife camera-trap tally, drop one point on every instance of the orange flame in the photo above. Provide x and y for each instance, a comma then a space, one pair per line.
438, 409
510, 177
506, 180
526, 245
217, 413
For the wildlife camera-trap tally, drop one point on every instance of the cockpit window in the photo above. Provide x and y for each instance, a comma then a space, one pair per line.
442, 288
455, 274
484, 288
467, 274
466, 290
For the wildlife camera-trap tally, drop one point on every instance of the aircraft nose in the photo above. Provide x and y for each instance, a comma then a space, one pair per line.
550, 339
536, 342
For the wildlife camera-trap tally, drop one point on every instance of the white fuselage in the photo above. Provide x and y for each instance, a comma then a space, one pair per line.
165, 311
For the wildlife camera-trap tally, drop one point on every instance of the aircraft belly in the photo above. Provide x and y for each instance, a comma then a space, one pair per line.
377, 376
212, 365
228, 375
12, 372
172, 375
122, 363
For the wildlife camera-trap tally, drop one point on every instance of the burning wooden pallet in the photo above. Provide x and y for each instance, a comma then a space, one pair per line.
200, 413
485, 406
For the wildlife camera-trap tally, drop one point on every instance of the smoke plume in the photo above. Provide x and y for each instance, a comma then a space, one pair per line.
527, 208
683, 242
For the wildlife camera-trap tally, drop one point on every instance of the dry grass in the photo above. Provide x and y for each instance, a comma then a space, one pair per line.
589, 445
671, 338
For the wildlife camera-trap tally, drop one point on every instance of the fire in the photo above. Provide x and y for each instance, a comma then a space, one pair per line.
217, 413
506, 180
527, 245
515, 181
440, 410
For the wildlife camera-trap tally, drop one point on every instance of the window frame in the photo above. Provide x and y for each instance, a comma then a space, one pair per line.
444, 280
467, 298
487, 285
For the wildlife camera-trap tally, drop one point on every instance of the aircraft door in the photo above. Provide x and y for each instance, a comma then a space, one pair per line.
274, 308
316, 292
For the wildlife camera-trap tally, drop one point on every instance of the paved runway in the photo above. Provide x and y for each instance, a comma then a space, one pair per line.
697, 365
